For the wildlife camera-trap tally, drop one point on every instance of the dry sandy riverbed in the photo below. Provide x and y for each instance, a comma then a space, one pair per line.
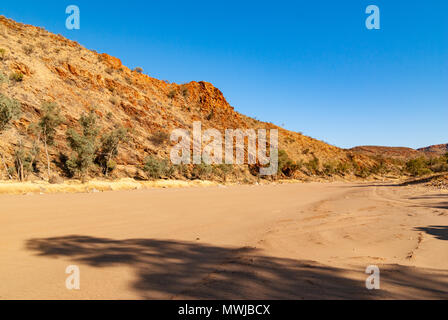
291, 241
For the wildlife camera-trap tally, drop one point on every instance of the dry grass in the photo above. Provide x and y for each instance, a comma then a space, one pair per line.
41, 187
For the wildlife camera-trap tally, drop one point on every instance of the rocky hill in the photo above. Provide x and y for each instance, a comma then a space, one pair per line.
401, 153
53, 68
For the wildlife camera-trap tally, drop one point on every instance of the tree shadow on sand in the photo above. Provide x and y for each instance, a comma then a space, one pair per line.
184, 270
440, 232
432, 204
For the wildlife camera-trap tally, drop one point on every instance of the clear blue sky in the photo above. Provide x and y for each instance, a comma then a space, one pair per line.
311, 66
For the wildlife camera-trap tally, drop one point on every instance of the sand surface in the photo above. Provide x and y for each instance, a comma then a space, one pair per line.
291, 241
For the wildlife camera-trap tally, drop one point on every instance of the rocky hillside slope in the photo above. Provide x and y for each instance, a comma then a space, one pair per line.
62, 71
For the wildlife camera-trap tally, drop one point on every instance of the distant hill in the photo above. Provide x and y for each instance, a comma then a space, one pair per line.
387, 152
401, 152
438, 150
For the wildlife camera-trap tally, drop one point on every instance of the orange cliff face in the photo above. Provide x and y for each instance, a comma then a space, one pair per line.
57, 69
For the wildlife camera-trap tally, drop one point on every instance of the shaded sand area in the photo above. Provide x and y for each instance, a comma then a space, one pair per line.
290, 241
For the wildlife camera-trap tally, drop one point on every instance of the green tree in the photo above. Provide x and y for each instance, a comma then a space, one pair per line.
9, 110
286, 166
109, 148
49, 121
84, 145
157, 168
313, 165
418, 166
24, 160
88, 122
202, 171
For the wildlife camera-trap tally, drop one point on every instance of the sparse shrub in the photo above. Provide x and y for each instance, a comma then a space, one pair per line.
417, 166
84, 151
380, 166
50, 120
70, 82
358, 170
83, 145
56, 180
28, 49
157, 168
362, 172
2, 54
343, 167
172, 94
109, 116
113, 100
9, 110
138, 70
286, 166
330, 168
182, 170
23, 161
16, 76
109, 149
439, 164
185, 92
43, 45
89, 125
210, 115
202, 171
224, 170
313, 165
160, 138
10, 171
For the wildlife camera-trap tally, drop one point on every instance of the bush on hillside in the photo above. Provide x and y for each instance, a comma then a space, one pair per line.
84, 145
418, 167
160, 138
10, 109
16, 77
157, 168
286, 166
2, 54
313, 165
